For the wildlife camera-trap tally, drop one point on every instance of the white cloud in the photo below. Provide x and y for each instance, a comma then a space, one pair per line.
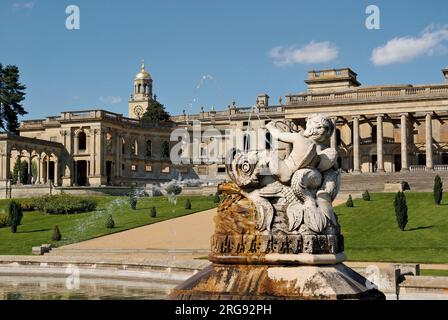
431, 41
22, 6
110, 100
313, 52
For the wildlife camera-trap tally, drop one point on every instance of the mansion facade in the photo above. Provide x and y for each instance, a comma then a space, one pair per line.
379, 129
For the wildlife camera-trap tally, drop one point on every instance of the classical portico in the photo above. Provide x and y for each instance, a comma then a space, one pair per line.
46, 157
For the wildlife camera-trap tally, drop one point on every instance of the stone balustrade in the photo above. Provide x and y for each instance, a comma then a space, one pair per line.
367, 93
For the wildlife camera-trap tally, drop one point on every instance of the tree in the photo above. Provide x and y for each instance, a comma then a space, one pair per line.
22, 168
15, 215
11, 95
366, 195
153, 212
56, 234
133, 201
110, 223
349, 202
217, 198
155, 113
438, 190
401, 210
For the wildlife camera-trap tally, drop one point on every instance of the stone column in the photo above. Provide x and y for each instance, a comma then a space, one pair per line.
39, 164
47, 179
92, 145
333, 140
19, 173
56, 173
428, 142
379, 143
29, 168
356, 162
404, 142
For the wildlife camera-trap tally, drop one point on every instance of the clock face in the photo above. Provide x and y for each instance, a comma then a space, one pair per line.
138, 110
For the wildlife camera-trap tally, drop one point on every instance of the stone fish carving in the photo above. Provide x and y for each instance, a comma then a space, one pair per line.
306, 182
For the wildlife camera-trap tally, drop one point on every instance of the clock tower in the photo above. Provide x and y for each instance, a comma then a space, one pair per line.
142, 96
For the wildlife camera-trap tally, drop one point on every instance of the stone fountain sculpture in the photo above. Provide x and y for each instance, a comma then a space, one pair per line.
277, 235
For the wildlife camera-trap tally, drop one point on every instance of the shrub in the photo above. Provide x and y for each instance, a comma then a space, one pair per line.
401, 210
63, 204
15, 215
349, 202
110, 223
56, 234
438, 190
217, 198
153, 212
173, 189
188, 204
27, 205
133, 201
3, 221
366, 195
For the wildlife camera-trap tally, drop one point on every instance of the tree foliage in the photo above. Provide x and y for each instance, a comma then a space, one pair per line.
349, 202
15, 215
11, 96
438, 190
366, 195
155, 113
110, 223
57, 236
401, 210
22, 168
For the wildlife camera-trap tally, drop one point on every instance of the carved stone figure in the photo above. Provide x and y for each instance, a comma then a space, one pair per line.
303, 185
277, 235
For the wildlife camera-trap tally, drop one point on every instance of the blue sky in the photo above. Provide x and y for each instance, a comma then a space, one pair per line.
246, 48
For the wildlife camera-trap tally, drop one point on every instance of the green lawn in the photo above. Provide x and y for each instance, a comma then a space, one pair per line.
37, 227
371, 232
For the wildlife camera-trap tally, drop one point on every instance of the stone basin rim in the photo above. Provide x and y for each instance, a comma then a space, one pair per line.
282, 259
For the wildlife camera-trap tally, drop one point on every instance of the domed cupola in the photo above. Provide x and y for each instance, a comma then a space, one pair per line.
143, 83
142, 96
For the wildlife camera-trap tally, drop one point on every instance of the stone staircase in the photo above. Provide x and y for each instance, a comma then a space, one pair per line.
374, 182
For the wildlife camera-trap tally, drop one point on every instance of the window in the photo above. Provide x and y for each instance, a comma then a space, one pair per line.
165, 149
82, 141
123, 146
166, 168
134, 167
245, 123
134, 148
148, 168
221, 169
148, 148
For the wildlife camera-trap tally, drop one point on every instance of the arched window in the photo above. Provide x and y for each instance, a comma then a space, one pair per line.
246, 142
82, 141
149, 148
134, 148
165, 149
139, 88
123, 146
145, 88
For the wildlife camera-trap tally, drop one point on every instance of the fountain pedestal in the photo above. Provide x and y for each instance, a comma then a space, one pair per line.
277, 235
252, 266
